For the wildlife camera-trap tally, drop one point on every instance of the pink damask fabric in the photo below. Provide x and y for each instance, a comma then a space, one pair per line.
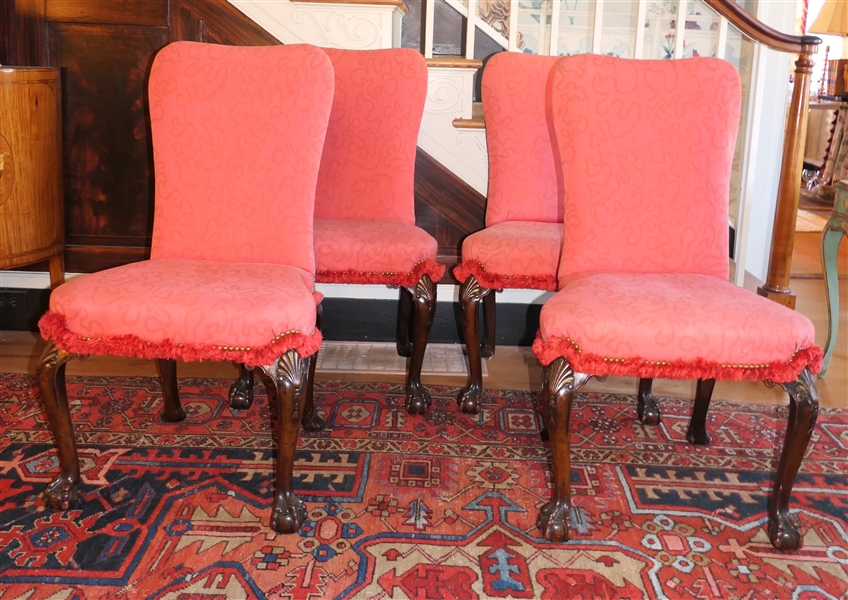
368, 164
513, 254
383, 251
673, 325
237, 140
524, 175
187, 309
646, 150
238, 134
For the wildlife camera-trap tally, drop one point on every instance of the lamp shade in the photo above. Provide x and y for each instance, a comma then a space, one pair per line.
833, 18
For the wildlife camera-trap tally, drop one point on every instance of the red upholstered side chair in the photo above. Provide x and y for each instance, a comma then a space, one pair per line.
643, 279
521, 244
365, 229
237, 141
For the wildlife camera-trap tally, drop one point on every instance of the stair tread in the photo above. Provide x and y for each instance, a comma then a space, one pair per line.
454, 62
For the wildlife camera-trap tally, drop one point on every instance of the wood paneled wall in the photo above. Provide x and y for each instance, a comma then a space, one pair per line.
105, 49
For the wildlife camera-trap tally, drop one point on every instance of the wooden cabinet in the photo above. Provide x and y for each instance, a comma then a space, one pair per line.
32, 225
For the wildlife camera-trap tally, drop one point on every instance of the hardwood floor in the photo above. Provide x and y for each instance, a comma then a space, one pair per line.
516, 367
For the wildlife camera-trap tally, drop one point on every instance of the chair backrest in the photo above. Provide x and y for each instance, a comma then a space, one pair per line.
368, 166
525, 182
237, 139
646, 149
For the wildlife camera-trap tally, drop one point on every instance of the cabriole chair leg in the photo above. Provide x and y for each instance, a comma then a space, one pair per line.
697, 432
63, 491
470, 295
487, 347
172, 410
784, 527
290, 375
424, 300
404, 322
559, 383
312, 421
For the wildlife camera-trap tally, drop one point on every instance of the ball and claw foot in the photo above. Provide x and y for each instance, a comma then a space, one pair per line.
289, 513
241, 395
313, 422
554, 519
417, 399
61, 494
785, 531
648, 411
470, 399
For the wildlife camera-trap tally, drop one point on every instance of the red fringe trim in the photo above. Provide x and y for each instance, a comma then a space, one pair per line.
54, 326
592, 364
425, 267
492, 281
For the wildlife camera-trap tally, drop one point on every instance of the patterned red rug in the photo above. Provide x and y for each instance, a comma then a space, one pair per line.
441, 506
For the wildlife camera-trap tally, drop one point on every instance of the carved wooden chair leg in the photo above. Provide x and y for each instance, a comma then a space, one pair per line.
424, 295
290, 375
241, 392
63, 491
172, 411
784, 527
647, 408
697, 432
487, 348
312, 421
404, 323
559, 383
470, 294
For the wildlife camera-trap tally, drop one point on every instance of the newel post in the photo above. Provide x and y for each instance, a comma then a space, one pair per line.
783, 234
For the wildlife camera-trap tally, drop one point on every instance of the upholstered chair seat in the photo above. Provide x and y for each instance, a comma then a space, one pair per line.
672, 325
513, 254
646, 149
382, 251
238, 134
182, 308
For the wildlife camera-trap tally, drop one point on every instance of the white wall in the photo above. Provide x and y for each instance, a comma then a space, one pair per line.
778, 14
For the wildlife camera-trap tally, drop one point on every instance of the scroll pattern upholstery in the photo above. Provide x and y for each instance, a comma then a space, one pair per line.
368, 164
520, 247
390, 246
365, 201
193, 301
231, 175
513, 254
643, 277
231, 169
524, 176
680, 317
652, 193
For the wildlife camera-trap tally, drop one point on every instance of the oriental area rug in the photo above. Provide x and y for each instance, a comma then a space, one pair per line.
440, 506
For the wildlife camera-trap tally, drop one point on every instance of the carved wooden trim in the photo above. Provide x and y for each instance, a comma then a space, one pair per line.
561, 380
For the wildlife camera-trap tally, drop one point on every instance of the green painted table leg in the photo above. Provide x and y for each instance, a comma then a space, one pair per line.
830, 246
834, 230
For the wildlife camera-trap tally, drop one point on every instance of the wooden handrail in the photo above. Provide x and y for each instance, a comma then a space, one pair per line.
761, 32
776, 286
